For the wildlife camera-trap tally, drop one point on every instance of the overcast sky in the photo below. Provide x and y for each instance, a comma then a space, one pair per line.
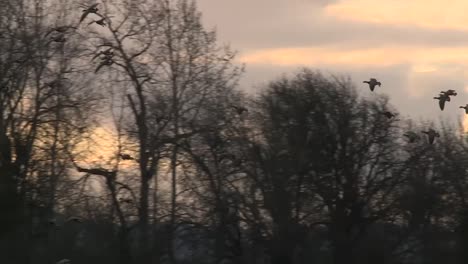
416, 48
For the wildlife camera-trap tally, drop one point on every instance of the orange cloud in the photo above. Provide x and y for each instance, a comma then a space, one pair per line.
425, 13
384, 56
101, 149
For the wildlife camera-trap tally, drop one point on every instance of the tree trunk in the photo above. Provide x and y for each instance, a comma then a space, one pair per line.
463, 237
143, 220
342, 248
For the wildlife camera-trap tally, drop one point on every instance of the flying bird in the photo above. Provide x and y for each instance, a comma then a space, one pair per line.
53, 223
372, 83
123, 200
60, 29
60, 38
465, 107
74, 219
54, 84
105, 62
92, 9
388, 114
101, 22
126, 157
442, 99
63, 261
108, 54
240, 109
412, 136
432, 134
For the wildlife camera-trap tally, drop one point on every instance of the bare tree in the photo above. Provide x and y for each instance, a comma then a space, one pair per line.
324, 145
163, 53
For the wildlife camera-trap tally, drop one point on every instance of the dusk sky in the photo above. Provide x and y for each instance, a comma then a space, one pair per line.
415, 48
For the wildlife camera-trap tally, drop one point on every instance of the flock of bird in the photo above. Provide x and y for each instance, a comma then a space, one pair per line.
61, 31
57, 34
412, 136
106, 57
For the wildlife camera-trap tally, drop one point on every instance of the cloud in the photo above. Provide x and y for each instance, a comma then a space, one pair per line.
416, 48
300, 23
437, 14
384, 56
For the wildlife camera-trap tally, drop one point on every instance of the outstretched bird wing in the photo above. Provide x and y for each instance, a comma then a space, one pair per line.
50, 31
84, 15
100, 66
63, 29
97, 55
441, 104
74, 219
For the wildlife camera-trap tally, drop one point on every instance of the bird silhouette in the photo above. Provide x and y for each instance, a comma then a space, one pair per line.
465, 107
240, 109
60, 38
57, 83
108, 53
372, 83
442, 99
92, 9
74, 219
432, 134
412, 136
53, 222
449, 92
60, 29
105, 62
101, 22
126, 157
125, 200
388, 114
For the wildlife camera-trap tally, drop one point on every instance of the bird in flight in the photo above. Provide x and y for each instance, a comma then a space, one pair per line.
74, 219
431, 134
60, 29
442, 99
60, 38
108, 53
101, 22
105, 62
123, 200
412, 136
126, 157
465, 107
372, 83
388, 114
240, 109
92, 9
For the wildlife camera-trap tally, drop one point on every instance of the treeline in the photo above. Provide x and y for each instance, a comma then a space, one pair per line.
305, 171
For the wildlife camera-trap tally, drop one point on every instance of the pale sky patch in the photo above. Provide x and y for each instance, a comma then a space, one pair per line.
438, 14
415, 47
384, 56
